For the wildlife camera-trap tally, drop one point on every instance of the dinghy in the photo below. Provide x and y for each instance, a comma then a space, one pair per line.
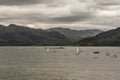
47, 50
77, 50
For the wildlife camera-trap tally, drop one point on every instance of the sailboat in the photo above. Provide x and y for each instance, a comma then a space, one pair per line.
77, 52
77, 49
48, 50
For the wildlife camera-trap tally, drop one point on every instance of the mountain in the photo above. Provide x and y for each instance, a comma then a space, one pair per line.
15, 35
109, 38
76, 35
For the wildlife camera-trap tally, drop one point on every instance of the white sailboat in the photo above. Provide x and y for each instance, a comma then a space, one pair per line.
77, 50
48, 50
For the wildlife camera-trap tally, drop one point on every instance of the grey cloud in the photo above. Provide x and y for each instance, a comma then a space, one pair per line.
107, 2
27, 19
106, 21
5, 18
73, 18
60, 12
23, 2
45, 19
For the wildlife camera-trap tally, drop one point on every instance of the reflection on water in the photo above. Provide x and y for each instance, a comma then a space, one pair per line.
62, 63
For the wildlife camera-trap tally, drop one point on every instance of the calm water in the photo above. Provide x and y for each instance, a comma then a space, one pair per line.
34, 63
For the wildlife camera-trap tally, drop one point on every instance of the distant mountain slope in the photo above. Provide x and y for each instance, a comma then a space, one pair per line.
76, 35
14, 35
109, 38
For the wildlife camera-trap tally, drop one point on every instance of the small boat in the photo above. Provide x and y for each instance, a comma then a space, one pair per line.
77, 50
114, 56
96, 52
48, 50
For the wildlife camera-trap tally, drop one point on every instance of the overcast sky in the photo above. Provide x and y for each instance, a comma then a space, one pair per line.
76, 14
